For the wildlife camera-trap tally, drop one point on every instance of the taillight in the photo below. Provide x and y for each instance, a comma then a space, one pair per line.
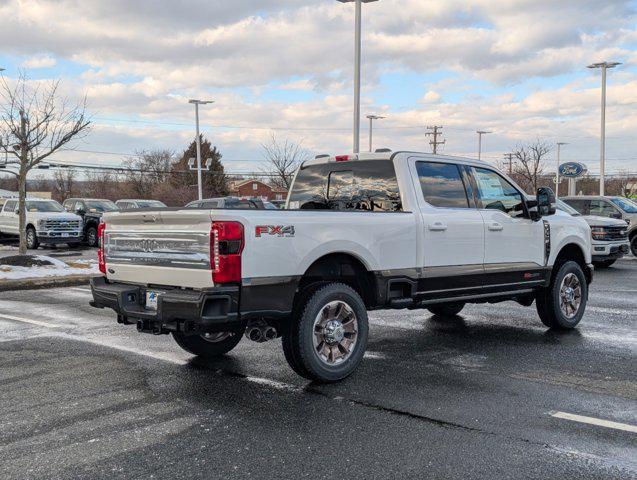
226, 245
342, 158
100, 252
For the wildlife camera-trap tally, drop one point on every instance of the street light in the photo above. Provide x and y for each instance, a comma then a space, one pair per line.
371, 128
357, 71
557, 173
602, 156
196, 103
480, 133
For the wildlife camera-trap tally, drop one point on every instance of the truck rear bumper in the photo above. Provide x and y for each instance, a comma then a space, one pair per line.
187, 311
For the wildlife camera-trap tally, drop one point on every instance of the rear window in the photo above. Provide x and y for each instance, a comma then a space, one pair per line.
366, 185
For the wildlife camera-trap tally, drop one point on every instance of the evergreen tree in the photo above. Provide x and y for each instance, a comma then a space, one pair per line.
214, 180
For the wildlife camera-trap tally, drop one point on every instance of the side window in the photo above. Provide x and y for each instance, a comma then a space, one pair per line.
582, 206
495, 193
211, 204
602, 208
78, 206
366, 185
442, 184
67, 205
10, 206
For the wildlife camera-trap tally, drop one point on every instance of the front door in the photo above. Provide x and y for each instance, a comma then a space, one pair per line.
453, 229
513, 244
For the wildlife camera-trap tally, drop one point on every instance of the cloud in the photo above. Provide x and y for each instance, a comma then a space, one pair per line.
39, 61
142, 60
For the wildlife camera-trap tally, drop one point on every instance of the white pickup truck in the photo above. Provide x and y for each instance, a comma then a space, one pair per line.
361, 232
47, 223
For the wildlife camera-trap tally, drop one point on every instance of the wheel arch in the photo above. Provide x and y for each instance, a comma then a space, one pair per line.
572, 252
343, 267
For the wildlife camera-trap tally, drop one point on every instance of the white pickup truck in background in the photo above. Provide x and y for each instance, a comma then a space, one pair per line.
47, 223
361, 232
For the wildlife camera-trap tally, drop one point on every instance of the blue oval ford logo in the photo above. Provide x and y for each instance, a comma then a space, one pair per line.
572, 169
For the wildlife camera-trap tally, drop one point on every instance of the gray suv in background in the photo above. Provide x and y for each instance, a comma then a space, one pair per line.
611, 207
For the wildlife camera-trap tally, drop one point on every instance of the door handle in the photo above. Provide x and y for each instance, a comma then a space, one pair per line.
437, 227
496, 227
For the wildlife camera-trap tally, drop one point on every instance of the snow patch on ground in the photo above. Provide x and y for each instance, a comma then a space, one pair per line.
58, 268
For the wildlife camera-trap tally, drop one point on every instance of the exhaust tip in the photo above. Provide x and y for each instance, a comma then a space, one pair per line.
270, 333
254, 334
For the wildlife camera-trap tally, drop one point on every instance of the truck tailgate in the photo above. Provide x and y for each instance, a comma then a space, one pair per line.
159, 248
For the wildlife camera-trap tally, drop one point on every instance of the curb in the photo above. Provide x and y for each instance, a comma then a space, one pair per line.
40, 283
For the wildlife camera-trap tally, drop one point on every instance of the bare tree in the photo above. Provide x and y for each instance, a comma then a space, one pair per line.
148, 170
283, 158
64, 183
35, 122
529, 166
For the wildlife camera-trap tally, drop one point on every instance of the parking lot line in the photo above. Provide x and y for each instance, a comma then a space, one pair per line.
30, 321
595, 421
78, 289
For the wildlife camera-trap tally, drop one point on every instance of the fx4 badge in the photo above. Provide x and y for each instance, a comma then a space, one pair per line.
274, 230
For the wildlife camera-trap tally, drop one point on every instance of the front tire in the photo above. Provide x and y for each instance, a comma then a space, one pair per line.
208, 345
633, 245
32, 239
327, 339
91, 237
563, 303
446, 309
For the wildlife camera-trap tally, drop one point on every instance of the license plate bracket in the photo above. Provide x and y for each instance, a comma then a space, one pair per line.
152, 298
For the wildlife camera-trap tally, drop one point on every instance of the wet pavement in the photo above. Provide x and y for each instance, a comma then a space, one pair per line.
491, 394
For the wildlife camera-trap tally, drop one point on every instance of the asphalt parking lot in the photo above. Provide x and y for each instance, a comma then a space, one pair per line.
490, 394
10, 247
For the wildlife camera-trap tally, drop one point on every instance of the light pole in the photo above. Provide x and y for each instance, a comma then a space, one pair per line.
602, 156
480, 133
557, 172
196, 103
357, 71
371, 129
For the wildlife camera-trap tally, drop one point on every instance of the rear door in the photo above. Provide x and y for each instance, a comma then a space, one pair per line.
10, 220
453, 227
513, 243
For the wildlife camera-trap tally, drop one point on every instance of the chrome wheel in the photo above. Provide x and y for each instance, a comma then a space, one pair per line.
216, 337
570, 295
335, 333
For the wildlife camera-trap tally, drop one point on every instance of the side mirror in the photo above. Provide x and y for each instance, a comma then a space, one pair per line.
80, 211
616, 215
545, 202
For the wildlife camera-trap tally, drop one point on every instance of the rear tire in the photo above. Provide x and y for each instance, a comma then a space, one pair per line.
214, 345
604, 263
446, 309
327, 338
563, 303
32, 239
633, 245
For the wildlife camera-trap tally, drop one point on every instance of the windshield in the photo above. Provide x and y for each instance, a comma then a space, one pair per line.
101, 206
563, 206
43, 206
625, 204
150, 204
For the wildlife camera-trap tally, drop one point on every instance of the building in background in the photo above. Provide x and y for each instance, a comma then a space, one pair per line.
257, 189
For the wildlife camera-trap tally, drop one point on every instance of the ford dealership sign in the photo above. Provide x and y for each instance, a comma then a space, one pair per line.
572, 170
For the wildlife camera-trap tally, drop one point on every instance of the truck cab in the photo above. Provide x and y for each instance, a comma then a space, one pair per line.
91, 211
402, 230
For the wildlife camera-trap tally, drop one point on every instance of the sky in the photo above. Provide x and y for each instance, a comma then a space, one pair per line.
513, 67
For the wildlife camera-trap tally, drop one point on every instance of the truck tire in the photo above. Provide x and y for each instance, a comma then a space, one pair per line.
633, 244
208, 345
446, 309
32, 239
91, 237
604, 263
563, 303
327, 338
